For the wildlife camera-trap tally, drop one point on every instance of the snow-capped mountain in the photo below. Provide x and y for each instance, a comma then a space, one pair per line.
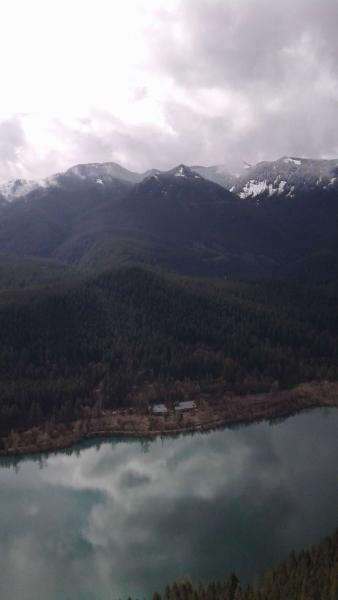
287, 176
94, 215
92, 174
181, 171
103, 173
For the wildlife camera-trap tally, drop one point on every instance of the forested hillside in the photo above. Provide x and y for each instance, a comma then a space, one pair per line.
310, 575
129, 337
17, 272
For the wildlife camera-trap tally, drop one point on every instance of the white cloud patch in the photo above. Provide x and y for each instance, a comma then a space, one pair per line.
151, 83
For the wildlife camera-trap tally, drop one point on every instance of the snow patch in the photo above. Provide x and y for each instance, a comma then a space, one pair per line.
295, 161
291, 192
180, 172
99, 181
281, 187
253, 188
271, 189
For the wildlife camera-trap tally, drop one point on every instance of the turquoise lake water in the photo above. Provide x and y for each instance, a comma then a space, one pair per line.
124, 517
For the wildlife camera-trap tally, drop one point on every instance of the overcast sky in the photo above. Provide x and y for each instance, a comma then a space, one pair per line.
152, 83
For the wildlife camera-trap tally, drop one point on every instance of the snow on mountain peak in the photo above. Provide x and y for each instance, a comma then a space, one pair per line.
107, 172
294, 161
184, 171
285, 177
180, 172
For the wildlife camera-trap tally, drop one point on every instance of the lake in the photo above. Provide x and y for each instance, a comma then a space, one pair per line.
126, 517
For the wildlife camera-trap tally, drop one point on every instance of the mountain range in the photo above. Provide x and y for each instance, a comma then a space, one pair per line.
120, 289
273, 219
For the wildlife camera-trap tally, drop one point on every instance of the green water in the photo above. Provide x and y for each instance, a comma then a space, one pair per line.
124, 518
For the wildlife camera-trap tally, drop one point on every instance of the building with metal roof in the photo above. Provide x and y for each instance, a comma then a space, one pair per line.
186, 405
159, 409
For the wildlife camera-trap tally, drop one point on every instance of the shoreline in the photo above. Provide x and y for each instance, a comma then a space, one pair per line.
230, 411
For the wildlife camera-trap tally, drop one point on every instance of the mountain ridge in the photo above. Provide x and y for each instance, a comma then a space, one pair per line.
280, 219
282, 176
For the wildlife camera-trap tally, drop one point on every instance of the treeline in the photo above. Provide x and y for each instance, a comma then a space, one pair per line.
130, 336
310, 575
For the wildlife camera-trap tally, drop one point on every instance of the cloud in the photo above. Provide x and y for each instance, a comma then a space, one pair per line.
152, 83
12, 142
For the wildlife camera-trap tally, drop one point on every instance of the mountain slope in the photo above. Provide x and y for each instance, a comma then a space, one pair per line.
19, 272
41, 221
287, 177
176, 220
309, 575
284, 216
202, 226
128, 336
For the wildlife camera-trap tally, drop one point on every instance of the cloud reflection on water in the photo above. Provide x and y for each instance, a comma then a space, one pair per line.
121, 520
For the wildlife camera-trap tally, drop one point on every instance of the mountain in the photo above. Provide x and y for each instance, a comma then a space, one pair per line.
67, 206
103, 173
287, 177
280, 219
90, 174
176, 220
192, 225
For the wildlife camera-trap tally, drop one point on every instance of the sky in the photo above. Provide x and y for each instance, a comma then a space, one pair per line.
154, 83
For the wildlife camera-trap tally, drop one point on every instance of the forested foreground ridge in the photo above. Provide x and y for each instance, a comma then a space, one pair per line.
130, 337
310, 575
